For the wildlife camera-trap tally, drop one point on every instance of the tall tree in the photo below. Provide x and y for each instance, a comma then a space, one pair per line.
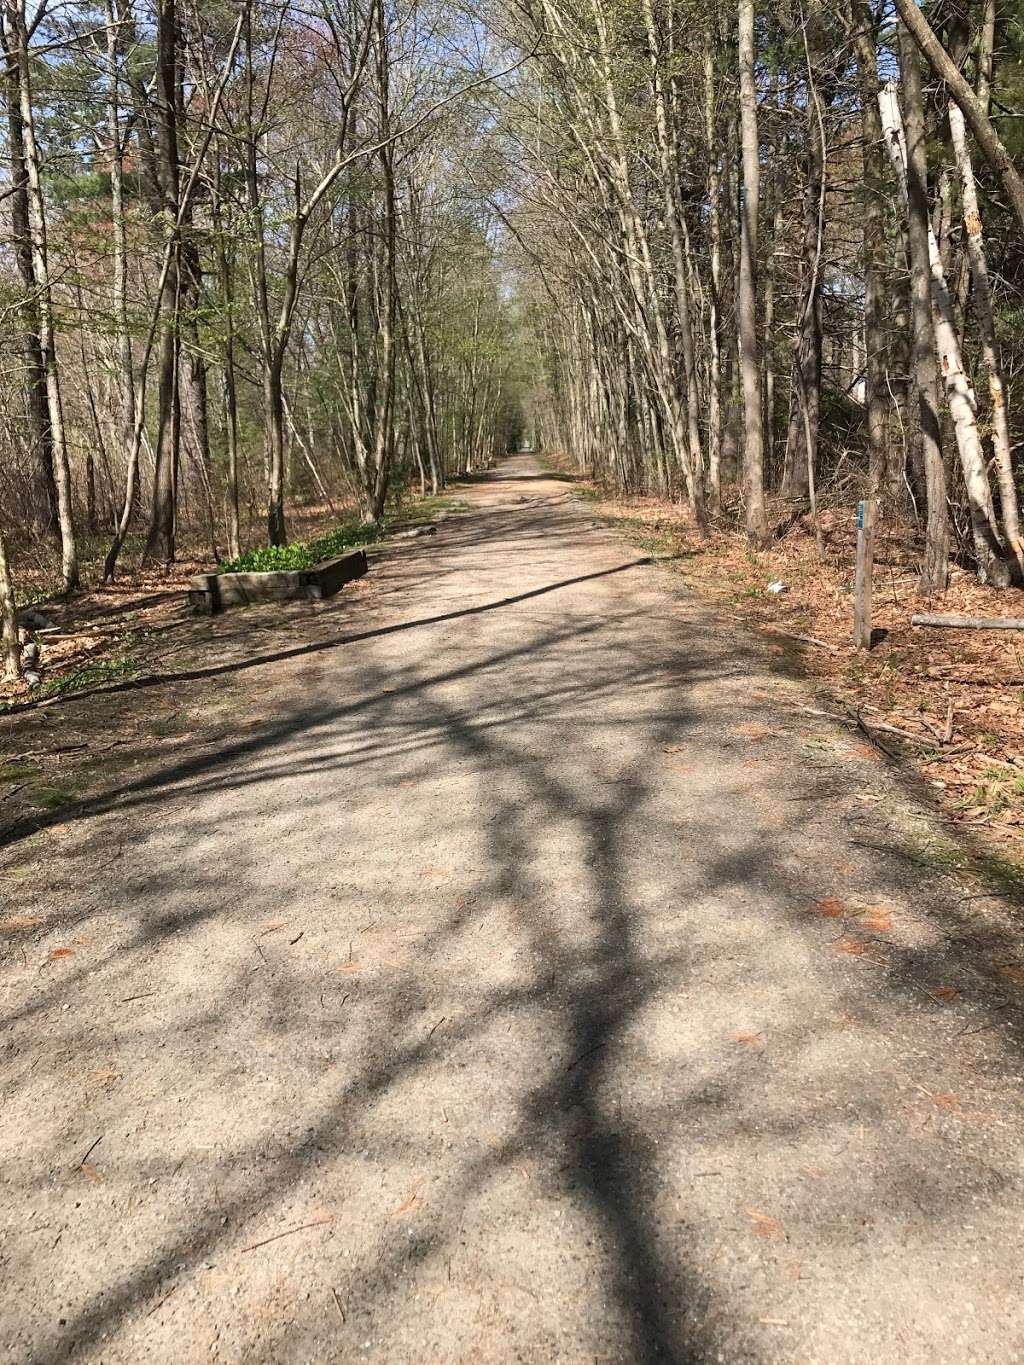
160, 538
18, 39
750, 350
44, 488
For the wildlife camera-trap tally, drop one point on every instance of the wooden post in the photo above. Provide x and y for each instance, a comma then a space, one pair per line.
864, 573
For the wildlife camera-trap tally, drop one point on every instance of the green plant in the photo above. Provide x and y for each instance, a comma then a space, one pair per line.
32, 594
52, 797
15, 772
106, 670
303, 554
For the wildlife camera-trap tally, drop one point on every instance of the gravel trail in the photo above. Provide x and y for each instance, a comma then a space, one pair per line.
527, 971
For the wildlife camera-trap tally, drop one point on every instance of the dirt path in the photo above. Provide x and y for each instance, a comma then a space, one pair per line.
519, 974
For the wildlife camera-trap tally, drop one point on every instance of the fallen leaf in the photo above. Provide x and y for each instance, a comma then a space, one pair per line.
764, 1226
751, 1039
103, 1076
945, 993
751, 731
57, 953
20, 922
852, 947
409, 1204
877, 918
831, 907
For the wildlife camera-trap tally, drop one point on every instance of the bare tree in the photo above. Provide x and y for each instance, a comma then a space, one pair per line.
10, 646
18, 39
974, 112
750, 350
956, 382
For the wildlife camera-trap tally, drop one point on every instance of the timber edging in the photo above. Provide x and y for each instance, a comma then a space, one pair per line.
212, 592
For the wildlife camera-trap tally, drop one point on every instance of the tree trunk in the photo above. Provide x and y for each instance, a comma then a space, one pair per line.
273, 421
974, 111
18, 36
715, 292
192, 376
875, 398
959, 393
44, 489
668, 156
769, 333
935, 567
227, 287
805, 406
10, 646
123, 338
160, 537
750, 351
1001, 447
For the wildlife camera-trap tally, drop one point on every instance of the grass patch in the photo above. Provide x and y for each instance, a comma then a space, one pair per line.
652, 542
104, 671
163, 727
18, 772
424, 509
52, 796
1000, 874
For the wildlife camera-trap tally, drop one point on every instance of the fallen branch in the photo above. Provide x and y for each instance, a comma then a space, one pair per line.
319, 1223
91, 1149
969, 622
933, 730
161, 1301
863, 728
804, 639
970, 679
957, 751
928, 740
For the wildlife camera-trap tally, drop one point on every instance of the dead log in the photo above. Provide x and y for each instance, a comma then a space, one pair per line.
969, 622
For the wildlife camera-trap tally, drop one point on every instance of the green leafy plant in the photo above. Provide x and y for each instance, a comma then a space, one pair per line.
303, 554
104, 671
